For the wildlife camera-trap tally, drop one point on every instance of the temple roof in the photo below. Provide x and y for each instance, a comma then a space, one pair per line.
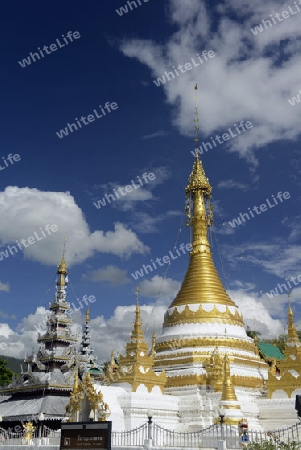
52, 406
270, 351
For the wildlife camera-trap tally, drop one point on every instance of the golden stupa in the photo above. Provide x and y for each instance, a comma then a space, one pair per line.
203, 321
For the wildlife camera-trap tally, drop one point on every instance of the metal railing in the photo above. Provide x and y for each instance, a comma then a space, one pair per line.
165, 438
131, 438
286, 434
44, 436
205, 438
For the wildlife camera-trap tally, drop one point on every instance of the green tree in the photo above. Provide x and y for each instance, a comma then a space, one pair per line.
6, 374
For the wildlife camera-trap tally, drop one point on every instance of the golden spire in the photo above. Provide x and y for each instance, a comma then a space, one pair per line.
137, 332
292, 336
198, 192
62, 268
88, 316
75, 385
228, 392
154, 338
202, 283
112, 358
196, 121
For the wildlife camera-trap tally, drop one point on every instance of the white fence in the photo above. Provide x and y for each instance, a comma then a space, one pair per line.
161, 437
205, 438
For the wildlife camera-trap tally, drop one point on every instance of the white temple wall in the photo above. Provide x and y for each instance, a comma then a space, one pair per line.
277, 413
129, 409
111, 396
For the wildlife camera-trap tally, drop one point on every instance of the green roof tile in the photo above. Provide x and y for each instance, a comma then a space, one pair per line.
270, 351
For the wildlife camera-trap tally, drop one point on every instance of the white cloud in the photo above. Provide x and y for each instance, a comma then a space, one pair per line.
128, 201
231, 184
144, 223
113, 333
107, 335
4, 286
276, 257
251, 77
159, 287
25, 210
160, 133
110, 274
256, 314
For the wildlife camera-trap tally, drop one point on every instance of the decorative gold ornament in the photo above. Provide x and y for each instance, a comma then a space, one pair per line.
215, 371
28, 430
224, 315
86, 389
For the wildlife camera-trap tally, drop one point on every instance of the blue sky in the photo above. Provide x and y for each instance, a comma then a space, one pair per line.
116, 59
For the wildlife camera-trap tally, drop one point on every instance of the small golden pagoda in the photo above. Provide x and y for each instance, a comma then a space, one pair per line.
229, 402
136, 367
111, 367
286, 377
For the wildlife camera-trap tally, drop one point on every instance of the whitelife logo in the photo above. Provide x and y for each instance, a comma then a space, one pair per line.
53, 48
125, 189
292, 101
286, 289
166, 260
224, 137
268, 24
183, 68
109, 106
11, 158
31, 240
263, 208
86, 300
124, 9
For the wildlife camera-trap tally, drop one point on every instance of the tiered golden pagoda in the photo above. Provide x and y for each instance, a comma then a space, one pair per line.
203, 319
136, 367
287, 375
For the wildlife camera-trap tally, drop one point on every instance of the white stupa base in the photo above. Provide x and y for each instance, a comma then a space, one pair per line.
192, 408
277, 413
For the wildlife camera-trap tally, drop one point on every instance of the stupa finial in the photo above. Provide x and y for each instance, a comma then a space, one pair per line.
291, 328
88, 316
62, 268
196, 121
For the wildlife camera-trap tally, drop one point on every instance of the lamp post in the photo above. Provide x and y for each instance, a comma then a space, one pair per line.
150, 416
148, 442
221, 444
41, 418
221, 414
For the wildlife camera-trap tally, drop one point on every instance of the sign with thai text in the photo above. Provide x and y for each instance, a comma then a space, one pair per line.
86, 436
